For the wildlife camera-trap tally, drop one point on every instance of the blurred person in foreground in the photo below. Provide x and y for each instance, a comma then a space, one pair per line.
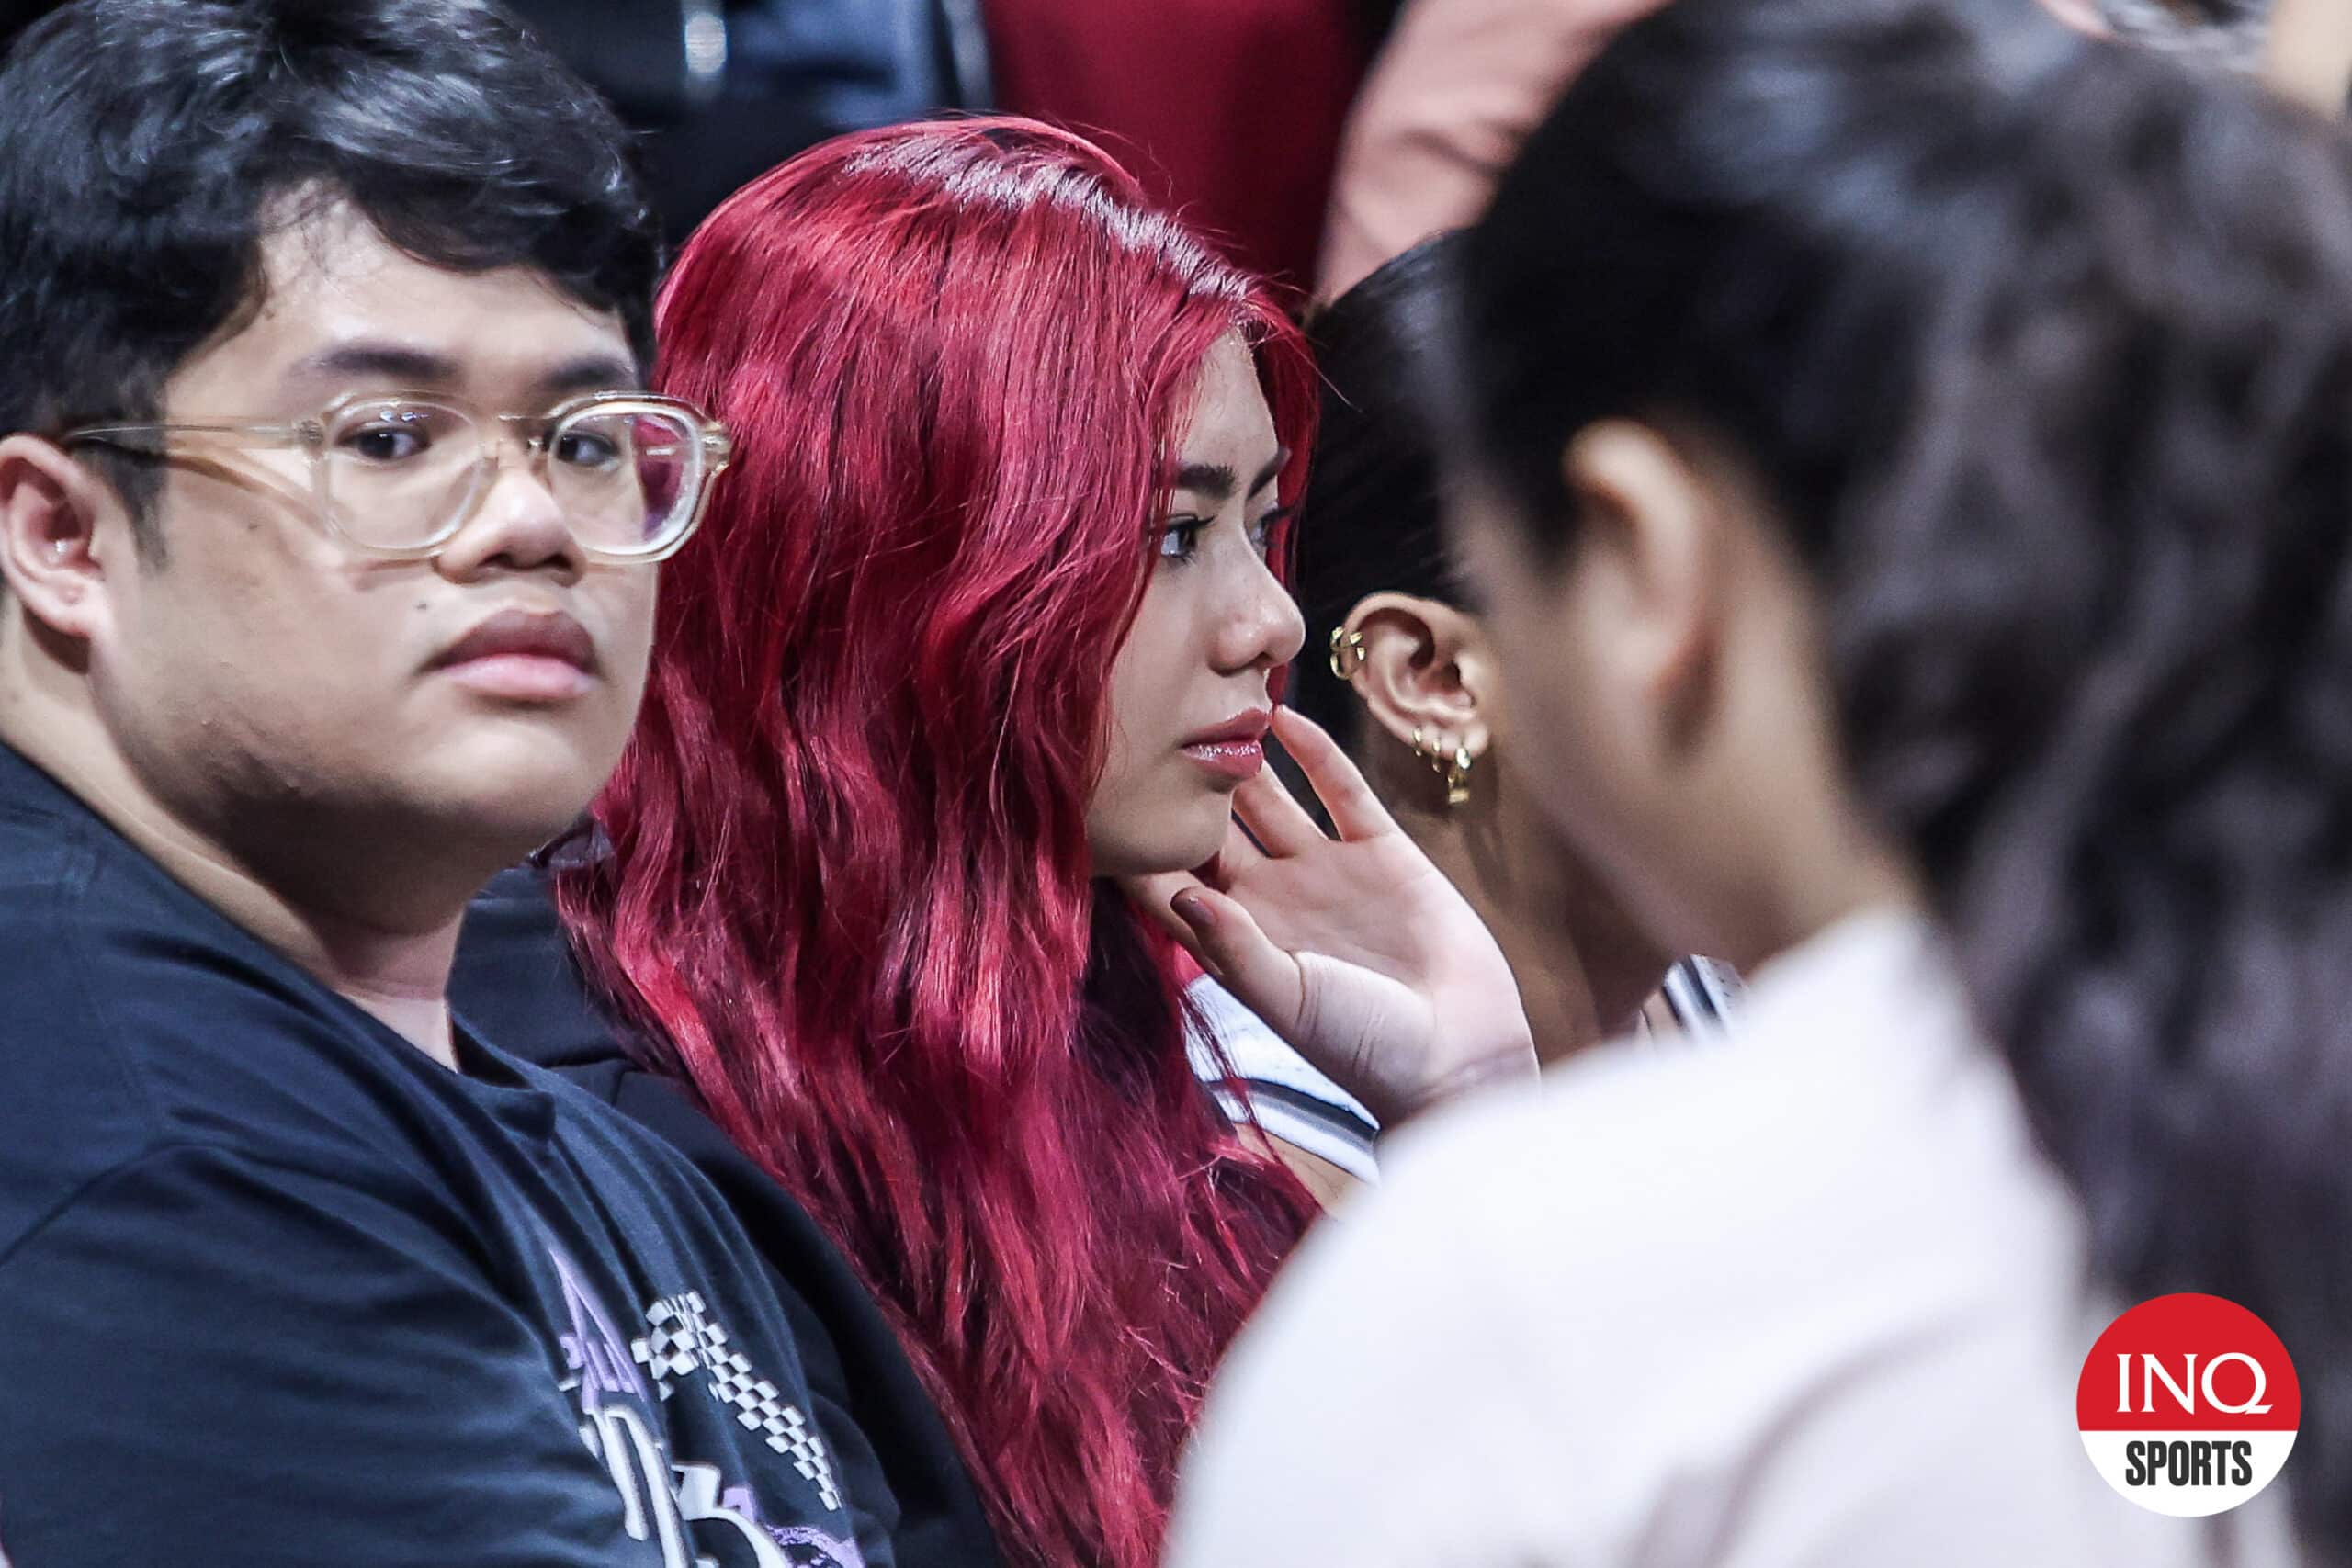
330, 502
1910, 452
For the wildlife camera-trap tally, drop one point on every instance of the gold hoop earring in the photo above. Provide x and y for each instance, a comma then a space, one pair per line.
1346, 646
1454, 769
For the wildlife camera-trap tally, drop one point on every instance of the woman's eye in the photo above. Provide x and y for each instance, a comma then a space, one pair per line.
1267, 531
1180, 537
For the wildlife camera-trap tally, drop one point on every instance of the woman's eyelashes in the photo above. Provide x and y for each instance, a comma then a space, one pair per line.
1179, 537
1266, 534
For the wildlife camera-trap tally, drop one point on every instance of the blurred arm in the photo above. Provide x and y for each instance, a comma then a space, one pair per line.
2310, 52
1456, 90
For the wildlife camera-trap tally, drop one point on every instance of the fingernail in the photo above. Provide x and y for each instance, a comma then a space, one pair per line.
1193, 909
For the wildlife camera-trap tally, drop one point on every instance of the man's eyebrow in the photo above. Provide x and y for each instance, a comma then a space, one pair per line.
427, 370
418, 367
591, 373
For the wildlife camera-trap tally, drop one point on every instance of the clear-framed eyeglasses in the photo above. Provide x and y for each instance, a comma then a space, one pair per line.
399, 475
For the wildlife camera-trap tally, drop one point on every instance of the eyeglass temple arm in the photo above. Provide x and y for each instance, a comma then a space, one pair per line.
260, 432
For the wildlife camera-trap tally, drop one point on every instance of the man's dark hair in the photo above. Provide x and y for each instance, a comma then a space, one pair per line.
2041, 348
1370, 521
146, 144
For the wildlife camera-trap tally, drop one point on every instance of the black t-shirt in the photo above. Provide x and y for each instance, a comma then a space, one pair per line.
910, 1489
275, 1288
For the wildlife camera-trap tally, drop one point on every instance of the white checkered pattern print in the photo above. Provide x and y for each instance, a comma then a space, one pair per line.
683, 1338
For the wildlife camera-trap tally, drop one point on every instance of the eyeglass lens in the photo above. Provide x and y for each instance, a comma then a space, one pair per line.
402, 475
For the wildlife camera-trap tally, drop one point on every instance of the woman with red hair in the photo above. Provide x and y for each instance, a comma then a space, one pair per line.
970, 669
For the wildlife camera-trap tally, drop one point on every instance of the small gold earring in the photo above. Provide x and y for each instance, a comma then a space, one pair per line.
1345, 644
1454, 769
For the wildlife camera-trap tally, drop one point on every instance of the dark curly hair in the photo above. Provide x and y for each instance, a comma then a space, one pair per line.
2043, 347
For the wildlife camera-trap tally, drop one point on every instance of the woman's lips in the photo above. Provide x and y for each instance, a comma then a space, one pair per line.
1234, 750
1237, 759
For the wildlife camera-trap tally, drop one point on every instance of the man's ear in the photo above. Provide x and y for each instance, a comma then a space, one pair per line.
1426, 668
1652, 563
61, 529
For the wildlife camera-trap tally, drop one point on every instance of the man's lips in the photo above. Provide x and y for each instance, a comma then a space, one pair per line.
524, 655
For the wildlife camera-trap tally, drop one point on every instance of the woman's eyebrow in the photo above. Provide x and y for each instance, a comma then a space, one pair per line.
1217, 482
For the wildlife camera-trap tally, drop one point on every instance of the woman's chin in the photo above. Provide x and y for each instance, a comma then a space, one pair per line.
1170, 842
1211, 824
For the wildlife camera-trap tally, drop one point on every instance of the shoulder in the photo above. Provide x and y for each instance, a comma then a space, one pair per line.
671, 1141
1653, 1270
201, 1316
886, 1430
171, 1231
516, 978
1882, 1143
1852, 1111
136, 1018
73, 1102
1387, 1403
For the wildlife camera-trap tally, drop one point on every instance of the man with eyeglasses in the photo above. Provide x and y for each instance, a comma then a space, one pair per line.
330, 506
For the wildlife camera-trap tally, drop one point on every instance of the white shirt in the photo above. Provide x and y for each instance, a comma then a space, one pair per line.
1811, 1299
1291, 1099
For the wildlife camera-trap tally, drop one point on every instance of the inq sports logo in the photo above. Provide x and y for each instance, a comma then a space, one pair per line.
2189, 1404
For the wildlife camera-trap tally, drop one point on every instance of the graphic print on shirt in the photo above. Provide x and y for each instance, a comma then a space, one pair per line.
698, 1519
684, 1340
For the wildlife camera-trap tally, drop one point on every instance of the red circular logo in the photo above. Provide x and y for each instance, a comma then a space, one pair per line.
2189, 1404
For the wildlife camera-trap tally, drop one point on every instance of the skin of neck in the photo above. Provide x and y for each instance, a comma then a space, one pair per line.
373, 915
1765, 846
1824, 871
1785, 850
1756, 840
1583, 969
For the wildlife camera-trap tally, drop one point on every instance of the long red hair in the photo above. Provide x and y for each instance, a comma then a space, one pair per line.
849, 886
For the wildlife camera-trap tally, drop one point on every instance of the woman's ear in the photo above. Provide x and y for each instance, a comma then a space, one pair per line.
1426, 668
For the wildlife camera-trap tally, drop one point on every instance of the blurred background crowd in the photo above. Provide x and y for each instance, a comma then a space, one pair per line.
1314, 138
